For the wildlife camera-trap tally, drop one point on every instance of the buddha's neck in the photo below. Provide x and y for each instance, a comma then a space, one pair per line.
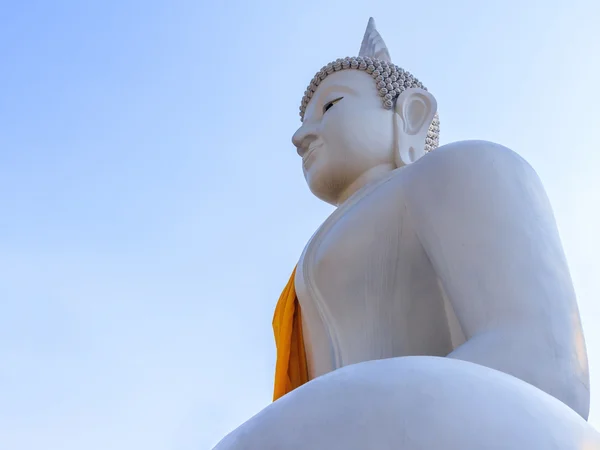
374, 174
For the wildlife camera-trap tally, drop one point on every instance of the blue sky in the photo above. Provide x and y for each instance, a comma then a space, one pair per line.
152, 205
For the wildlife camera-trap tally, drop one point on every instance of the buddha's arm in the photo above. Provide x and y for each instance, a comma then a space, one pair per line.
486, 223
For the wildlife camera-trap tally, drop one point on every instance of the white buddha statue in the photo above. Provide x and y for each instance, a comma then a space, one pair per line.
435, 304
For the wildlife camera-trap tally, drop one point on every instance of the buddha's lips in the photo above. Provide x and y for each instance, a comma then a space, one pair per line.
310, 151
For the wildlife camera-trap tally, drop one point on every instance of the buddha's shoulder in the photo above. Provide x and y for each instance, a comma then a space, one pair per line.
464, 162
472, 154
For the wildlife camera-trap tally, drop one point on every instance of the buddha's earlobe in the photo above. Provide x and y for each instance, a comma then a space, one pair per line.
414, 111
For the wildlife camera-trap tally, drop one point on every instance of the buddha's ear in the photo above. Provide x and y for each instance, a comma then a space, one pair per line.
415, 109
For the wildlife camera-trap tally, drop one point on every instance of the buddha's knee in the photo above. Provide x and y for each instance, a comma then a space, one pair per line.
414, 403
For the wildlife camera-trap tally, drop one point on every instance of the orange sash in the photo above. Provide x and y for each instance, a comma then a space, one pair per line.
291, 370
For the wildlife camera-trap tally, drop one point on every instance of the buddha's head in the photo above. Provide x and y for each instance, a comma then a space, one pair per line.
361, 115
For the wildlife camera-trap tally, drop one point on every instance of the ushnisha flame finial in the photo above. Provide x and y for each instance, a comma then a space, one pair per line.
373, 45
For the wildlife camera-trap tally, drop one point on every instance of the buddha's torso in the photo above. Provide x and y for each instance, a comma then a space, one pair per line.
367, 288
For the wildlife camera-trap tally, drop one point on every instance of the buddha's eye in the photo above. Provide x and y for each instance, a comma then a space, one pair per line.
330, 104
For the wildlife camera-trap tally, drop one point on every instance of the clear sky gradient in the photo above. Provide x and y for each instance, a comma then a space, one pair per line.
152, 205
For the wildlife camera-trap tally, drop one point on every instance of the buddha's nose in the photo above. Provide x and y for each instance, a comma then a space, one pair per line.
302, 138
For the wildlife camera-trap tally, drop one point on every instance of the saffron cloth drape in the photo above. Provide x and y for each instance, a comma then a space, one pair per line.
291, 370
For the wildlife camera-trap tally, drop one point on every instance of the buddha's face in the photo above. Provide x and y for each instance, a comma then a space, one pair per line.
345, 133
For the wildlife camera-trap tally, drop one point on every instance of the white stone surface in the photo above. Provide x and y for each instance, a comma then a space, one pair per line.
457, 254
415, 403
454, 255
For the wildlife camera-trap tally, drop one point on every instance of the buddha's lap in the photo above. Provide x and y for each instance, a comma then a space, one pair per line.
414, 403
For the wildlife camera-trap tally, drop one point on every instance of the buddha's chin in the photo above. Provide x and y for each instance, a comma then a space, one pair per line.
322, 183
